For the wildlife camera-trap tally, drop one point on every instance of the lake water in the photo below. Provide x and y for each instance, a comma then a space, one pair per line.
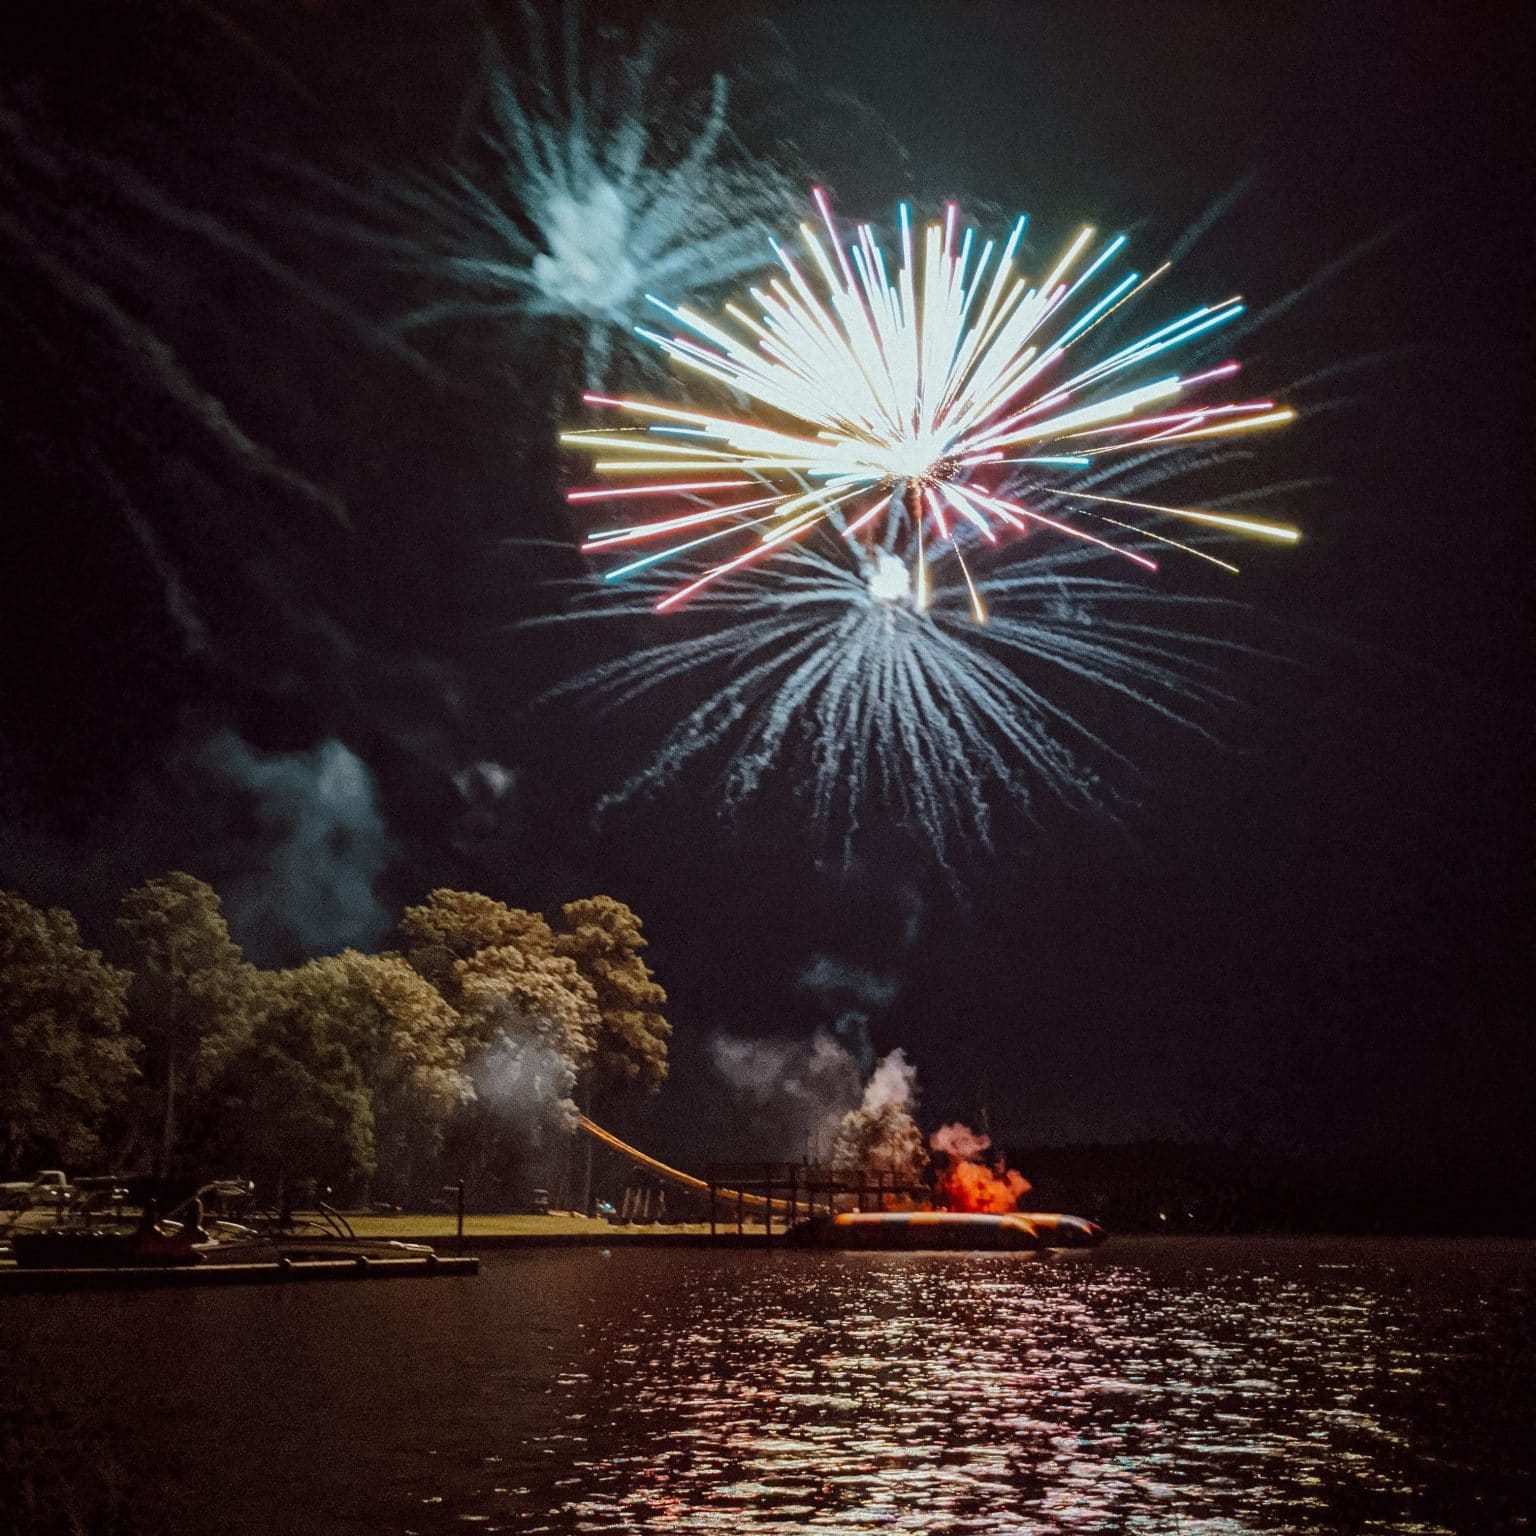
1158, 1385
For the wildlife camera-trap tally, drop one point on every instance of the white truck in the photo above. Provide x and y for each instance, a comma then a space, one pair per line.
47, 1187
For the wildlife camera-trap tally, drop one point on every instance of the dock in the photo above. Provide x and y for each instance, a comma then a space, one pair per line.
15, 1280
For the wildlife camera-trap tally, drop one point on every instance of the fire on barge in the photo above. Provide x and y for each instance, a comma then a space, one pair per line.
814, 1205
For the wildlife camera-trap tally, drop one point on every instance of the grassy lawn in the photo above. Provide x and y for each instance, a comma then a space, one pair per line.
440, 1224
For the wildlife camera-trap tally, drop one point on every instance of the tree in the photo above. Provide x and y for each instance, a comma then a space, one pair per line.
405, 1042
65, 1062
496, 966
507, 990
885, 1137
530, 1018
191, 998
602, 937
411, 1043
534, 1020
451, 926
369, 1060
291, 1100
881, 1132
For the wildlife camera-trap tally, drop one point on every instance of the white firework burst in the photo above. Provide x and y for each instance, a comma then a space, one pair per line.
831, 673
571, 203
899, 621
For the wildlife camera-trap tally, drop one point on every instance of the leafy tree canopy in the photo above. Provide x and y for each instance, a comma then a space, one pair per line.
886, 1137
192, 992
293, 1101
191, 985
602, 937
507, 991
65, 1061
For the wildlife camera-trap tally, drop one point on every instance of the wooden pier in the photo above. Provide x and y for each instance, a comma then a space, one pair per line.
795, 1191
15, 1280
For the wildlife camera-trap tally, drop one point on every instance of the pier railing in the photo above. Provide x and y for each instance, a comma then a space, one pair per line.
786, 1192
793, 1191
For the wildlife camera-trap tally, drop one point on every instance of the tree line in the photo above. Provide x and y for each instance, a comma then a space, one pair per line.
375, 1075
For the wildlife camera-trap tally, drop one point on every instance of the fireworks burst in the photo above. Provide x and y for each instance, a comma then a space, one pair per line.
904, 398
834, 674
896, 650
569, 208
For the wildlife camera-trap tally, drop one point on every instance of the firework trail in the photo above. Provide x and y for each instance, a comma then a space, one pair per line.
569, 207
54, 223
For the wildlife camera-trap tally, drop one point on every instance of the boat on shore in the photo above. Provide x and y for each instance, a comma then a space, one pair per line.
966, 1231
89, 1236
64, 1247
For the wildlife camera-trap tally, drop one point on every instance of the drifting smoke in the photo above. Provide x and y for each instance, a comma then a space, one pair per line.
528, 1083
816, 1099
795, 1092
881, 1132
485, 781
830, 1097
831, 977
965, 1181
893, 1085
318, 846
487, 816
855, 993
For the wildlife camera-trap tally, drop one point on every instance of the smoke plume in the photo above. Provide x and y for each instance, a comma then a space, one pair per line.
840, 982
528, 1083
815, 1099
314, 847
793, 1093
880, 1132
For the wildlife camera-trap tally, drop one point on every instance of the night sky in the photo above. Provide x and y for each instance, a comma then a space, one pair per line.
1313, 937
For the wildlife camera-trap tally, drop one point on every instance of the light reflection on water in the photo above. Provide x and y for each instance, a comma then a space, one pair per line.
1173, 1386
947, 1393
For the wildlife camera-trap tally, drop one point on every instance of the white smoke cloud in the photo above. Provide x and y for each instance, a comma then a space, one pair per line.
527, 1082
794, 1093
892, 1085
881, 1132
836, 980
305, 877
484, 781
855, 992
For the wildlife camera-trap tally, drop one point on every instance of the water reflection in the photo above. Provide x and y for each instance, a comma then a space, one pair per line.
1190, 1387
864, 1393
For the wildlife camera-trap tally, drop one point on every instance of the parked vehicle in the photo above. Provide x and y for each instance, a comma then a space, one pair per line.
48, 1187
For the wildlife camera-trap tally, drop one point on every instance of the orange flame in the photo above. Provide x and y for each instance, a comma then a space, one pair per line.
965, 1182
